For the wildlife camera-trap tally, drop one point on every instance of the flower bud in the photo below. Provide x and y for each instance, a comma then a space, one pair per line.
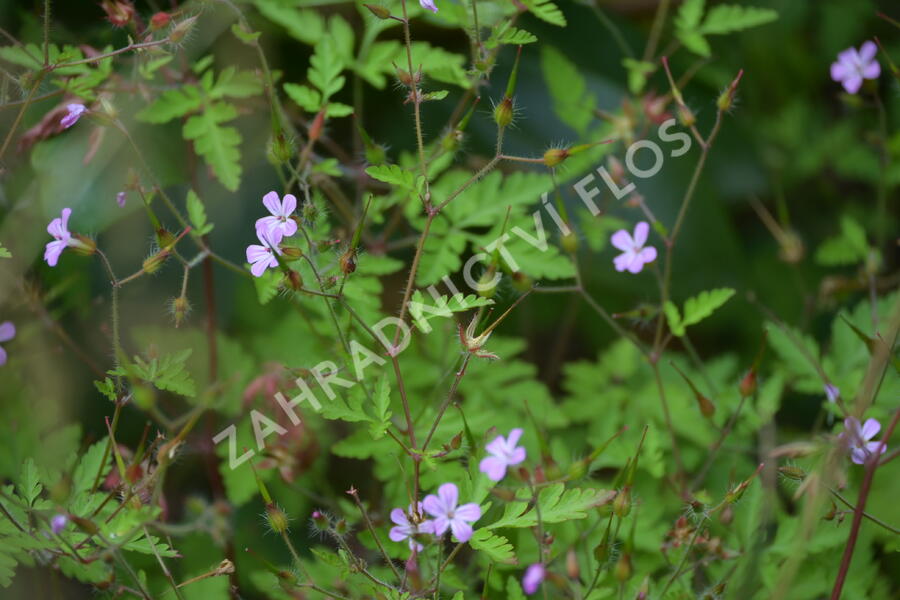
503, 112
318, 124
118, 12
792, 472
160, 20
748, 384
486, 289
291, 252
602, 552
310, 212
622, 570
277, 518
522, 282
182, 29
555, 156
572, 568
85, 525
287, 581
180, 308
348, 261
164, 238
153, 262
686, 116
456, 441
726, 99
320, 521
281, 149
84, 245
622, 503
341, 527
644, 590
379, 11
294, 280
570, 242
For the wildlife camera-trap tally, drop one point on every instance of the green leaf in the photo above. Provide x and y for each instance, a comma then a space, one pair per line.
394, 175
689, 14
304, 96
696, 309
29, 482
107, 388
382, 406
505, 33
171, 104
638, 71
850, 247
236, 84
4, 253
197, 214
441, 65
267, 285
306, 25
496, 547
325, 69
217, 145
421, 310
556, 505
168, 373
674, 318
571, 100
89, 466
248, 37
726, 18
546, 11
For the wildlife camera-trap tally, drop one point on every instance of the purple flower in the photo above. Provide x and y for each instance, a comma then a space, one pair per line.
262, 257
857, 439
120, 199
71, 117
7, 332
59, 229
447, 514
854, 65
428, 5
534, 575
58, 523
832, 392
634, 255
280, 224
504, 453
407, 528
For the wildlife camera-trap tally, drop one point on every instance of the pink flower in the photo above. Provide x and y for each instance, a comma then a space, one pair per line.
857, 439
534, 575
448, 515
407, 528
504, 453
59, 229
634, 255
120, 199
853, 66
58, 523
832, 392
262, 257
280, 224
71, 117
428, 5
7, 332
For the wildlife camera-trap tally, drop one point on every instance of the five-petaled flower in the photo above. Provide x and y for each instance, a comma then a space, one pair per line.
852, 66
504, 453
280, 224
857, 438
62, 239
407, 528
534, 575
262, 257
58, 523
634, 254
428, 5
74, 113
7, 332
447, 514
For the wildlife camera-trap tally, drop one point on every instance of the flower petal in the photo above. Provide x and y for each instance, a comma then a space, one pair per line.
636, 264
398, 534
288, 205
872, 70
494, 467
647, 255
449, 495
470, 512
840, 71
53, 250
867, 51
533, 577
272, 203
514, 436
440, 525
399, 517
2, 356
622, 240
496, 446
853, 83
432, 505
869, 430
622, 261
872, 447
462, 531
858, 455
428, 5
640, 233
517, 456
7, 331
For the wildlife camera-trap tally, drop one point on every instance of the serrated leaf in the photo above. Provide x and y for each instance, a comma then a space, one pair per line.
726, 18
89, 466
382, 408
171, 104
505, 33
304, 96
689, 14
394, 175
571, 101
29, 482
848, 248
638, 71
107, 388
496, 547
421, 310
325, 69
167, 373
236, 84
704, 304
267, 285
197, 214
304, 24
216, 144
556, 503
546, 11
4, 253
673, 317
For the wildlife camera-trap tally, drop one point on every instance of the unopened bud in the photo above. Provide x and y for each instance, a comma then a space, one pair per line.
277, 518
572, 568
182, 29
570, 242
503, 112
456, 441
486, 287
622, 503
792, 472
686, 116
180, 308
748, 384
348, 261
622, 570
522, 282
84, 246
726, 99
341, 527
294, 280
707, 408
153, 262
555, 156
602, 552
160, 20
644, 591
291, 252
379, 11
164, 238
310, 212
281, 149
85, 525
118, 12
320, 521
318, 124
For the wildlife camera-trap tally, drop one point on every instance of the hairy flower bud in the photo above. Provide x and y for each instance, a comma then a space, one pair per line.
277, 518
379, 11
555, 156
118, 12
622, 571
281, 149
182, 29
622, 503
503, 112
747, 386
686, 116
348, 261
570, 242
792, 472
180, 308
153, 262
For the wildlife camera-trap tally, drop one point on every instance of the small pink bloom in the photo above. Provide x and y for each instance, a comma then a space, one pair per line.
854, 65
428, 5
280, 224
7, 332
71, 117
832, 392
534, 575
504, 453
58, 523
120, 199
857, 438
59, 229
262, 257
634, 254
407, 529
447, 514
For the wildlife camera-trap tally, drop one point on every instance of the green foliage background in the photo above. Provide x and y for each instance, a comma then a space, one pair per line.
207, 130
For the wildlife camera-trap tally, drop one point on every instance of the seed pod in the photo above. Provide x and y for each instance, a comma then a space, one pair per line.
503, 113
277, 518
622, 503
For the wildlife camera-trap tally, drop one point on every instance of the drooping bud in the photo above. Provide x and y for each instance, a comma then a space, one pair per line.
707, 408
503, 113
180, 308
379, 11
